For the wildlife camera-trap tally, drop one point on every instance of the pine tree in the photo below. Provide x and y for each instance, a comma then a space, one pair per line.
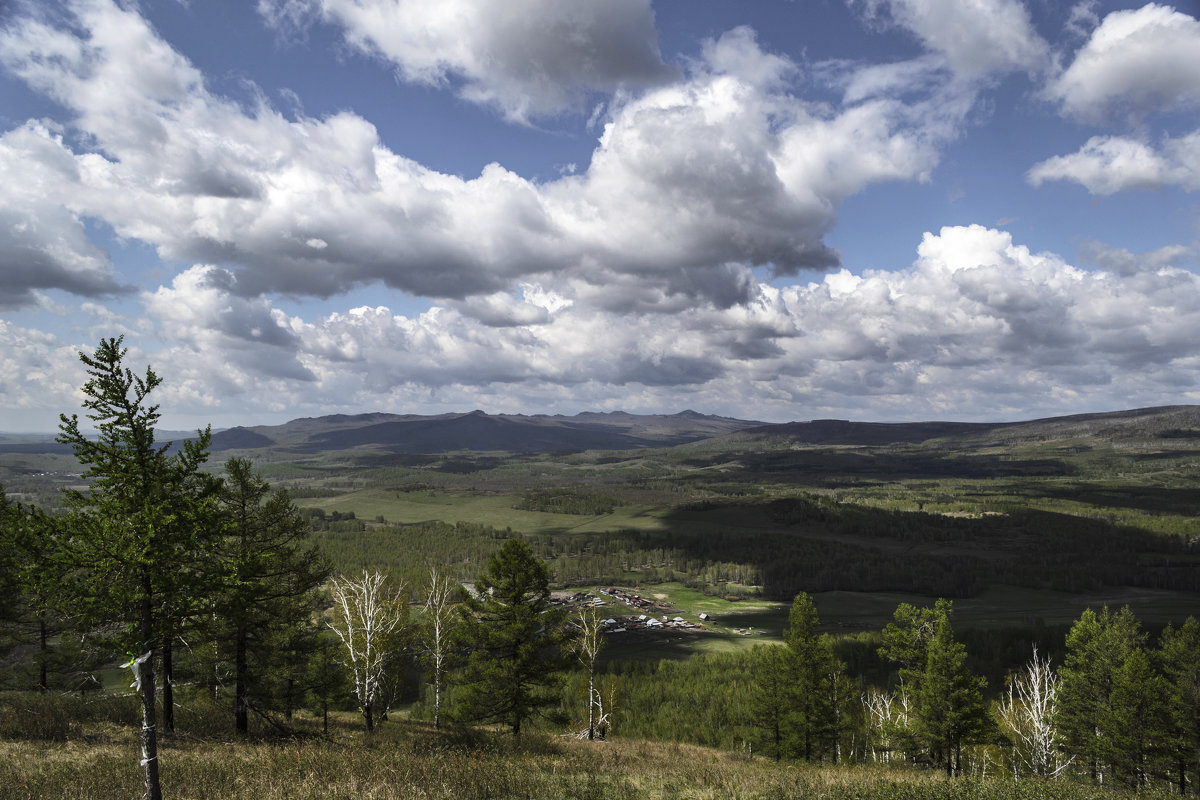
1180, 657
949, 703
12, 520
328, 678
515, 637
947, 700
1137, 720
1097, 647
132, 543
810, 727
269, 581
771, 699
14, 598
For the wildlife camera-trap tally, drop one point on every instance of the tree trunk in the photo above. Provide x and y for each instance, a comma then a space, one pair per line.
146, 678
591, 706
369, 717
43, 670
241, 701
168, 682
437, 699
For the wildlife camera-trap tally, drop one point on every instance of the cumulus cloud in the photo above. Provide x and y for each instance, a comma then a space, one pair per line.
525, 58
977, 325
43, 243
976, 37
1135, 62
1109, 164
976, 322
201, 306
1122, 262
690, 182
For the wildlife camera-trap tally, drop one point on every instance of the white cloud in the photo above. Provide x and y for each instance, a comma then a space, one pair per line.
1109, 164
883, 80
689, 182
978, 325
977, 37
202, 307
526, 58
1135, 62
43, 243
1122, 262
1083, 19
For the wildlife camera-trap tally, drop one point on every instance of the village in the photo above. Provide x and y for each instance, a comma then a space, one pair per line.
654, 613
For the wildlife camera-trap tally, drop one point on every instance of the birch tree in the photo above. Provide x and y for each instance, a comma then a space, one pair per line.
438, 625
369, 617
888, 726
589, 641
1027, 712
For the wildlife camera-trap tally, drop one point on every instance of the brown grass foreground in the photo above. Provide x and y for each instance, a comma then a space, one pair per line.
97, 760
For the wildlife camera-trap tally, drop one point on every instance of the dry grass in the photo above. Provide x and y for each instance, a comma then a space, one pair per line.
98, 761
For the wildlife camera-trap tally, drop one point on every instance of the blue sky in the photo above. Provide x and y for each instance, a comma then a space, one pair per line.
870, 209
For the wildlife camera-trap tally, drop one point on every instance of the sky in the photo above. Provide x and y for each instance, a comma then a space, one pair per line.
883, 210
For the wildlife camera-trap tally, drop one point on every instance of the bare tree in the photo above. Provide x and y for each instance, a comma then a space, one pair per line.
369, 617
438, 624
888, 722
1027, 713
589, 641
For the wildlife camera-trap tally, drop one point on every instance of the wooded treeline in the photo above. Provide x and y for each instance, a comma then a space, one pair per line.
1117, 709
809, 543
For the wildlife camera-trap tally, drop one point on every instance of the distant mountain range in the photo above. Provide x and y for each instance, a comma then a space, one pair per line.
477, 431
618, 430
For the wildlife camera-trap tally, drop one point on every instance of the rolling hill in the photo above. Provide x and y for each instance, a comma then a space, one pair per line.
618, 430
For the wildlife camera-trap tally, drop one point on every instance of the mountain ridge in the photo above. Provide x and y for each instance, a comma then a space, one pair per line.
479, 431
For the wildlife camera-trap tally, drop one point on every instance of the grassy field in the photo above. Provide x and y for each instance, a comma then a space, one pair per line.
97, 760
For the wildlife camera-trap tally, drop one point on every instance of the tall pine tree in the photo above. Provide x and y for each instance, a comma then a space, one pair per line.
516, 640
1137, 720
946, 698
269, 583
1180, 657
1097, 647
950, 707
132, 543
810, 724
772, 693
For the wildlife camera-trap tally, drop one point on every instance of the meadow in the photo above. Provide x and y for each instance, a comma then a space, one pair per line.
65, 749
